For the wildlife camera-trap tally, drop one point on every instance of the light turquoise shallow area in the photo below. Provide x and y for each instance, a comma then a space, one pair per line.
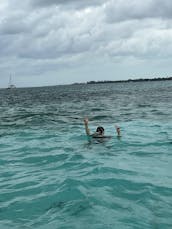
53, 177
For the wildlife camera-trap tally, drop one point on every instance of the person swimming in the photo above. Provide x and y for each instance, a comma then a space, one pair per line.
99, 131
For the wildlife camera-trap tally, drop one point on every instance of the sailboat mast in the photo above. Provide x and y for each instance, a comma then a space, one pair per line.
10, 85
10, 80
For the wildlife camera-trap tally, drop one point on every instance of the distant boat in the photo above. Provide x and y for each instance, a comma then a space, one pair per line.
10, 85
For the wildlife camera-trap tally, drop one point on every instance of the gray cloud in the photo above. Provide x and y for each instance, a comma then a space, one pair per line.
13, 26
117, 10
51, 32
69, 3
51, 38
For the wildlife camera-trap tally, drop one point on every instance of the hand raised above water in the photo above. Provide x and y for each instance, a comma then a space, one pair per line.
118, 130
86, 121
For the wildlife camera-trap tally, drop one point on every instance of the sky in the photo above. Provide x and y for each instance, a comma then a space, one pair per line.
52, 42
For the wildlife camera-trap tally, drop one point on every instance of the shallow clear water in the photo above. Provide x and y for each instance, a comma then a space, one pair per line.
53, 176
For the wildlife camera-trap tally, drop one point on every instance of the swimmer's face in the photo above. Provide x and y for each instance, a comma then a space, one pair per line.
100, 133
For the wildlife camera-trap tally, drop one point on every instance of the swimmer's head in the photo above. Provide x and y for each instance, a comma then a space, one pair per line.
100, 130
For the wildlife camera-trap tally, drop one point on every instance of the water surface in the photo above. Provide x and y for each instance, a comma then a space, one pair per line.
53, 176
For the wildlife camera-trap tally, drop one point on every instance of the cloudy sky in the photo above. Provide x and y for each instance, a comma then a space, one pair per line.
50, 42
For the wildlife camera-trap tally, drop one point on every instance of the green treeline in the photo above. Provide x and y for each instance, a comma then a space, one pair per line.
130, 80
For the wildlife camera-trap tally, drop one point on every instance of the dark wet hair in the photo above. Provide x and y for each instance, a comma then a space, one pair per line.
100, 129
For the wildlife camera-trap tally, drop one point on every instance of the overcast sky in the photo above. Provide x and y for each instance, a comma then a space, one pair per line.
50, 42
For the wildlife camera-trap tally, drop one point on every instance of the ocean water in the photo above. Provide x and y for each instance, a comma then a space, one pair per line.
53, 177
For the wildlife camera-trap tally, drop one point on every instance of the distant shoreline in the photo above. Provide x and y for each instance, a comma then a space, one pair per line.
101, 82
130, 80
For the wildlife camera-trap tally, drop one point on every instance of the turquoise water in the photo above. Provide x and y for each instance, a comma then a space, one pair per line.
52, 176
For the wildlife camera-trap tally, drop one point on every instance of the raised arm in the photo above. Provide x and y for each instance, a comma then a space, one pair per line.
86, 126
118, 130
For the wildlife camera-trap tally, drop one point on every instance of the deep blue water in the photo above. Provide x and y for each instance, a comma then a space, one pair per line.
53, 177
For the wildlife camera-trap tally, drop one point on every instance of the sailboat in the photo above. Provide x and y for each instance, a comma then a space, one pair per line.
10, 85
